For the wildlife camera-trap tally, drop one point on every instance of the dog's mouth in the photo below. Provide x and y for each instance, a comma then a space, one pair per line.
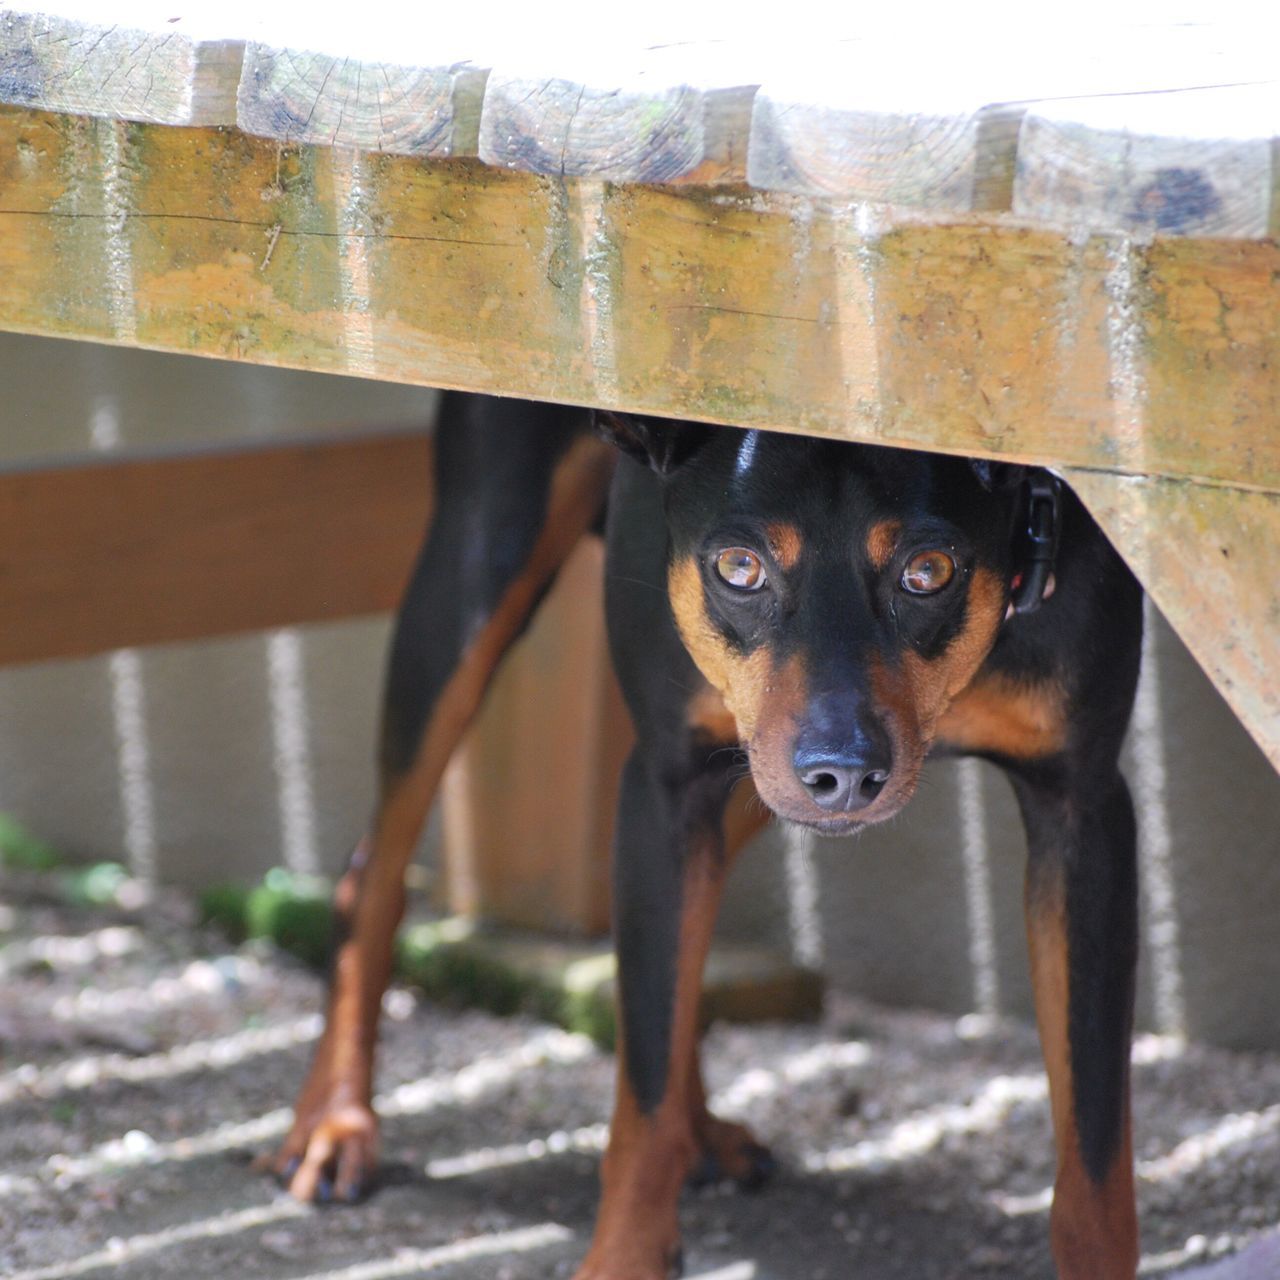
831, 827
838, 824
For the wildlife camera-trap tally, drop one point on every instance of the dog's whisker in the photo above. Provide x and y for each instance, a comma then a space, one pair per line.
623, 579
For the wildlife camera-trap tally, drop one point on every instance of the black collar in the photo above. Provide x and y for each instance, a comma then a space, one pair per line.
1038, 548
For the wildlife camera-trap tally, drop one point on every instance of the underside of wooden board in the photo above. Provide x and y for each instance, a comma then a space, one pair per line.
134, 552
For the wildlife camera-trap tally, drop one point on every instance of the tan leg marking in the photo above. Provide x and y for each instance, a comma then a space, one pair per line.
1093, 1226
334, 1125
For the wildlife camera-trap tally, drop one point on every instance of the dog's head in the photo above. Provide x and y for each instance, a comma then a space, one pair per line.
838, 596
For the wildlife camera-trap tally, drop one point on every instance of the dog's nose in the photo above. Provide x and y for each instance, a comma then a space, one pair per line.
842, 781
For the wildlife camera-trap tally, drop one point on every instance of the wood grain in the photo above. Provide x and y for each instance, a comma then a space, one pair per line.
565, 128
666, 114
1156, 128
960, 160
117, 70
119, 553
1196, 163
970, 336
302, 96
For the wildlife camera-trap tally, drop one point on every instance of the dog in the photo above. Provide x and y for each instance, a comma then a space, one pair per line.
832, 614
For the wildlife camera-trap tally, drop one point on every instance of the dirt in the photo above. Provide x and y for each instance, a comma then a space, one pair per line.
145, 1062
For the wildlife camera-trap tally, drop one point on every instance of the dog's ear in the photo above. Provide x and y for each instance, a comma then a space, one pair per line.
662, 443
998, 477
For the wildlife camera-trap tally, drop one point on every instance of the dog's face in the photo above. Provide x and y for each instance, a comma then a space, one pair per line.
837, 597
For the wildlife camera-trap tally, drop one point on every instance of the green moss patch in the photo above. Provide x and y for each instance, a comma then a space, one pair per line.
458, 961
292, 910
467, 964
22, 851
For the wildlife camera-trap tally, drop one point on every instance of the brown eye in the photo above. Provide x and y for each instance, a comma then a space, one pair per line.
740, 567
928, 572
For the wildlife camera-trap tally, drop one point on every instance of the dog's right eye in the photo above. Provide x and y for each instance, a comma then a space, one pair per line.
741, 568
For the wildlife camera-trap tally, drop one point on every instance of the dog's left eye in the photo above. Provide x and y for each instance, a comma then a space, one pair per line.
928, 572
741, 568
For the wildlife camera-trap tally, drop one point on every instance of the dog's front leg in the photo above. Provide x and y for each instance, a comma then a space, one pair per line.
1081, 904
669, 872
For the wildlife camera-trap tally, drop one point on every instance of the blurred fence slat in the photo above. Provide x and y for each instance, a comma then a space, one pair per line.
110, 554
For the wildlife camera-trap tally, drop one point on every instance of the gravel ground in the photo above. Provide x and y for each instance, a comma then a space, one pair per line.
143, 1063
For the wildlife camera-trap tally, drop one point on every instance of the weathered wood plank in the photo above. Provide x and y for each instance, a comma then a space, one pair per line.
1207, 555
1196, 163
330, 99
136, 552
561, 127
972, 336
865, 112
671, 113
864, 137
156, 70
939, 128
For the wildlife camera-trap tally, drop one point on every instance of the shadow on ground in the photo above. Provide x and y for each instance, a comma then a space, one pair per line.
145, 1063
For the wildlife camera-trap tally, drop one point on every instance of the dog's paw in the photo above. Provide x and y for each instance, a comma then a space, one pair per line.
731, 1154
330, 1155
628, 1266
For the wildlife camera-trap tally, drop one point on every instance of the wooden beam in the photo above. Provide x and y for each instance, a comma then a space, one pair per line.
134, 552
1064, 133
970, 336
167, 71
1124, 353
328, 98
562, 127
674, 113
1161, 124
1111, 164
1207, 556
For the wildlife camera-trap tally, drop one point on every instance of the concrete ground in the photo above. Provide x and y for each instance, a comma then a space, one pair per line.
144, 1062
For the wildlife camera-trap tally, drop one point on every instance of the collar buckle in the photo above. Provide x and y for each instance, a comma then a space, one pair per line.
1044, 526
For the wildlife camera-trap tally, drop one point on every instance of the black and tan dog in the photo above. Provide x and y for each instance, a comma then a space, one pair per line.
838, 612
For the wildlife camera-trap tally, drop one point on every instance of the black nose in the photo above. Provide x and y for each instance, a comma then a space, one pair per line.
842, 780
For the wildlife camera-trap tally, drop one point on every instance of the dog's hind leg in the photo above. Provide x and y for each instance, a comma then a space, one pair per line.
517, 485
